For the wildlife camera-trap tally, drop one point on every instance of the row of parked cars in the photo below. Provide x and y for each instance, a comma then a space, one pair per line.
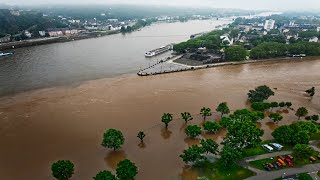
281, 161
272, 146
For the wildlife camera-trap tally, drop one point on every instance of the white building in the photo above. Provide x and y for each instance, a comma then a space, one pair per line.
226, 38
314, 39
42, 33
318, 29
269, 24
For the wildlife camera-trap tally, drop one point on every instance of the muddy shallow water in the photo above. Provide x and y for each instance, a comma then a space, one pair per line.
40, 127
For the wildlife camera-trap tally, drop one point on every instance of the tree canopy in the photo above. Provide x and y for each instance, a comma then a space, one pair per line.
235, 53
113, 138
126, 170
62, 169
104, 175
193, 131
223, 108
260, 94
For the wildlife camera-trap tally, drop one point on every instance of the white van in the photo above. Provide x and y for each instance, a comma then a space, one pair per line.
277, 146
267, 147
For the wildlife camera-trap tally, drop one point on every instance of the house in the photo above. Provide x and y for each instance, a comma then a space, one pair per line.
269, 24
318, 29
257, 28
314, 39
226, 39
55, 32
42, 33
5, 39
27, 34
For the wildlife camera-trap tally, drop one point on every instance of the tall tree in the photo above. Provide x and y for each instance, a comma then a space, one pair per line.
113, 138
193, 154
302, 111
62, 169
104, 175
193, 131
211, 127
186, 116
205, 112
235, 53
223, 108
230, 155
126, 170
274, 105
141, 136
302, 150
166, 119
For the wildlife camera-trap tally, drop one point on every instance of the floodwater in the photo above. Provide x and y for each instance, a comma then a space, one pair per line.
42, 126
109, 56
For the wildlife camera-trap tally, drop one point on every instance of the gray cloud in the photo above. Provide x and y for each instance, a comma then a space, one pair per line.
243, 4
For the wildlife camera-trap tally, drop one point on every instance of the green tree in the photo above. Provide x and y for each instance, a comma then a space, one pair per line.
260, 94
254, 116
302, 151
308, 118
62, 169
304, 176
223, 108
311, 91
166, 119
211, 127
283, 134
274, 105
260, 106
288, 104
113, 138
210, 146
141, 135
193, 154
186, 116
301, 137
104, 175
224, 122
230, 155
234, 33
282, 104
193, 131
275, 117
235, 53
302, 111
126, 170
315, 117
205, 112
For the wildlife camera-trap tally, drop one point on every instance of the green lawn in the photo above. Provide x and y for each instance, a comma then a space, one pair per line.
217, 172
297, 162
315, 136
259, 150
318, 173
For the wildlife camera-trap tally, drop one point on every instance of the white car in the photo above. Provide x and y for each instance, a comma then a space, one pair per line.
277, 146
267, 147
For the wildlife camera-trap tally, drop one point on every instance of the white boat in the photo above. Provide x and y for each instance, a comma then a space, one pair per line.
159, 50
5, 54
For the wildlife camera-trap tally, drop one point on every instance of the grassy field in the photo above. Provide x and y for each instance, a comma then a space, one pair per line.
216, 171
297, 162
259, 150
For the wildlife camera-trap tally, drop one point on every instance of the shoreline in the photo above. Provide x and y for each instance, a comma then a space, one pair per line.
185, 67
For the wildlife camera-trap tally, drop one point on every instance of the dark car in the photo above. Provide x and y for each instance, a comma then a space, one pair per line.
275, 165
266, 167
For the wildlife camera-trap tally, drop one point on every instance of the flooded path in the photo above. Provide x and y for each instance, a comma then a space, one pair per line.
40, 127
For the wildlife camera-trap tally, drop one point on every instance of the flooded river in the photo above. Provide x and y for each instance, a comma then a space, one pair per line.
42, 126
73, 62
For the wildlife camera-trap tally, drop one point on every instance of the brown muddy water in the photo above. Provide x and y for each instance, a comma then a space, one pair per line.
40, 127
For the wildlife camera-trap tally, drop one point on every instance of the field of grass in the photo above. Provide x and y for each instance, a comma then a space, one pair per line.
297, 162
259, 150
218, 172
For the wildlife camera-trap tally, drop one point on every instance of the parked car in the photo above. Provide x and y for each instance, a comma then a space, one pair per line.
288, 159
281, 157
277, 146
282, 162
279, 164
267, 147
275, 165
270, 165
289, 156
267, 168
312, 158
290, 164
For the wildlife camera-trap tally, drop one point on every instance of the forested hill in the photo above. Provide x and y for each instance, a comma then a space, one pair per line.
26, 20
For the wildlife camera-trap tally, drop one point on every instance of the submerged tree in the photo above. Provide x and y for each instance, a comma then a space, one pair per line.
275, 117
223, 108
288, 104
193, 131
274, 105
104, 175
186, 116
141, 136
193, 154
311, 91
282, 104
113, 138
210, 146
302, 111
166, 119
126, 170
260, 94
62, 169
205, 112
211, 127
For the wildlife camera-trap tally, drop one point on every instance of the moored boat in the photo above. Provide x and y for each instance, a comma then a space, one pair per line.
159, 50
5, 54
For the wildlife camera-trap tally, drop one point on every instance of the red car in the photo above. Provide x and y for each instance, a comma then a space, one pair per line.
288, 159
279, 164
290, 164
281, 157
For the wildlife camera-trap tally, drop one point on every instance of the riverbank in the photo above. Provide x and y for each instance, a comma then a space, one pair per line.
81, 114
180, 67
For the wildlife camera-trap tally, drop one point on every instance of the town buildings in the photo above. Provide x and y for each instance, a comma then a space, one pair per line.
269, 24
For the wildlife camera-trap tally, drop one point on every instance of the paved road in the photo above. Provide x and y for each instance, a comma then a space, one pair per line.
276, 174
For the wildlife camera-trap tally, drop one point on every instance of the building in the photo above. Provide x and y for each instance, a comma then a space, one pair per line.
227, 39
5, 39
62, 32
42, 33
27, 34
314, 39
55, 32
318, 29
269, 24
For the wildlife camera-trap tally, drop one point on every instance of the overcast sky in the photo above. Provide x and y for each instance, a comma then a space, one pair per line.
242, 4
